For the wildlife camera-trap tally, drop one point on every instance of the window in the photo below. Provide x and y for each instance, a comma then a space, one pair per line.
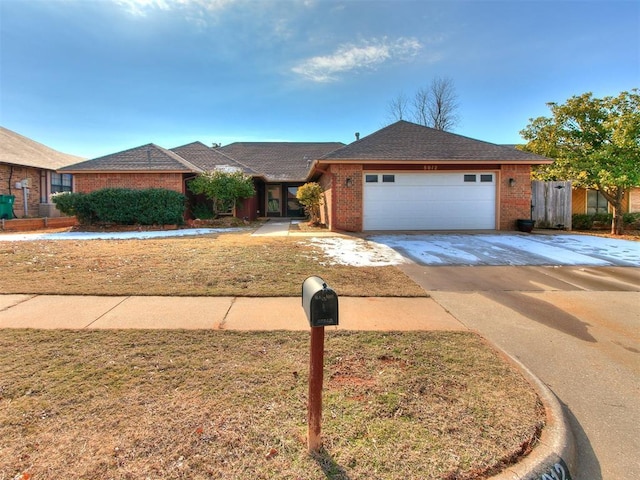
469, 178
371, 178
388, 178
596, 203
486, 178
274, 193
60, 182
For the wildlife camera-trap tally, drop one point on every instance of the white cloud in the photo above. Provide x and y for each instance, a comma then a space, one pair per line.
142, 7
347, 58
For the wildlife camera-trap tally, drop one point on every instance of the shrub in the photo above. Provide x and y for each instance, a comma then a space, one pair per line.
77, 204
631, 220
158, 206
581, 221
224, 188
599, 221
310, 196
123, 206
203, 211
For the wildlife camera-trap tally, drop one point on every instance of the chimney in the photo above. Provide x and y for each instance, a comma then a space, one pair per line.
357, 136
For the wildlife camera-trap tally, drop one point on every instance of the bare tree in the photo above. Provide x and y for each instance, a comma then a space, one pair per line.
434, 106
398, 108
443, 104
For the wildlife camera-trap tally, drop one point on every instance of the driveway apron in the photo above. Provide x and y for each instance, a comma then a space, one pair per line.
577, 328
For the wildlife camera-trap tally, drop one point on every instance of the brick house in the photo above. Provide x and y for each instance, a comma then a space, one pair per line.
409, 177
28, 170
402, 177
277, 169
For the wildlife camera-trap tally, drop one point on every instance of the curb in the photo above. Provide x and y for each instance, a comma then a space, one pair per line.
554, 456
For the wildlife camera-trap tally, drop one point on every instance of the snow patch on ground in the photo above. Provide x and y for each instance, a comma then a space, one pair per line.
513, 249
356, 252
17, 237
425, 249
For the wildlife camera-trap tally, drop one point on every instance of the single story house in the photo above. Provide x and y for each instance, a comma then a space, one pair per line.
28, 172
401, 177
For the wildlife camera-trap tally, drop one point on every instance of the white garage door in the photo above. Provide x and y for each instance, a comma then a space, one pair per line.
430, 201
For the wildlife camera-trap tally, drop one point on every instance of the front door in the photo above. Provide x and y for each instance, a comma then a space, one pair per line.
294, 209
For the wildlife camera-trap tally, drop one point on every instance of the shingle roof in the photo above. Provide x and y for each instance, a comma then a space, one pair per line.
19, 150
279, 161
207, 158
405, 141
147, 158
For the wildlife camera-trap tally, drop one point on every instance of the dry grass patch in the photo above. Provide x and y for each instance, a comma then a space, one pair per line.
216, 265
204, 405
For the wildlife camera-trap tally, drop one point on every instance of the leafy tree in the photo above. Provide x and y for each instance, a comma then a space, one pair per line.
224, 188
310, 196
434, 106
595, 143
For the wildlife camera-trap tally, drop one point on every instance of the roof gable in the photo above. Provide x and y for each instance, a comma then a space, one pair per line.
280, 161
146, 158
208, 158
19, 150
406, 141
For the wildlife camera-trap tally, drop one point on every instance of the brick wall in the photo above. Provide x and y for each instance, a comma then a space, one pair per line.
347, 195
326, 182
88, 182
30, 224
9, 176
344, 203
515, 201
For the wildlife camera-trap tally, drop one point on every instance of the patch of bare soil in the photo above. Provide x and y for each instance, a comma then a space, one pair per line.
633, 235
305, 226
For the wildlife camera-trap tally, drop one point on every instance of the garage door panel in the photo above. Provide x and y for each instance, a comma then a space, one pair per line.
430, 201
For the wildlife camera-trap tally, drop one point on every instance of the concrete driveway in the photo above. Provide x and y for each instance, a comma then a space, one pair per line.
511, 248
568, 308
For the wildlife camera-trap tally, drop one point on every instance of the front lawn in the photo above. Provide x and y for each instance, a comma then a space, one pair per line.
218, 404
233, 264
230, 405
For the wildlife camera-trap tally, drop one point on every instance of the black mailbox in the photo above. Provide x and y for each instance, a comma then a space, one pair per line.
320, 302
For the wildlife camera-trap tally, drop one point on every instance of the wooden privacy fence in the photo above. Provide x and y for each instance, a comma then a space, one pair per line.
551, 204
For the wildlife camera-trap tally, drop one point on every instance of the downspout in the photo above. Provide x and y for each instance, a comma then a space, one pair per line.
333, 200
13, 212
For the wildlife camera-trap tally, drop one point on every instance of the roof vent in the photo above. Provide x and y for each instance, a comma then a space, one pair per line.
357, 136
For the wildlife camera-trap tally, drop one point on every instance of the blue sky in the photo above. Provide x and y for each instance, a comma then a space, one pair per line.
94, 77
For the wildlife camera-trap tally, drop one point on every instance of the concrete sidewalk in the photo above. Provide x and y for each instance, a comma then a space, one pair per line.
282, 313
216, 313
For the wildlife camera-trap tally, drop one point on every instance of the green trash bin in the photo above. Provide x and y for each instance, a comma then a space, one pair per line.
6, 206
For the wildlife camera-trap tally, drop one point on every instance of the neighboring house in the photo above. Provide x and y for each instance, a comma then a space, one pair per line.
28, 171
588, 201
402, 177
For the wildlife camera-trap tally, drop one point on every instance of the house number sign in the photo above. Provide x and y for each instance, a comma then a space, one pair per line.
559, 471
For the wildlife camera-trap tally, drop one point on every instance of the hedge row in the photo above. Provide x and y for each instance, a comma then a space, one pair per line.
123, 206
601, 221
